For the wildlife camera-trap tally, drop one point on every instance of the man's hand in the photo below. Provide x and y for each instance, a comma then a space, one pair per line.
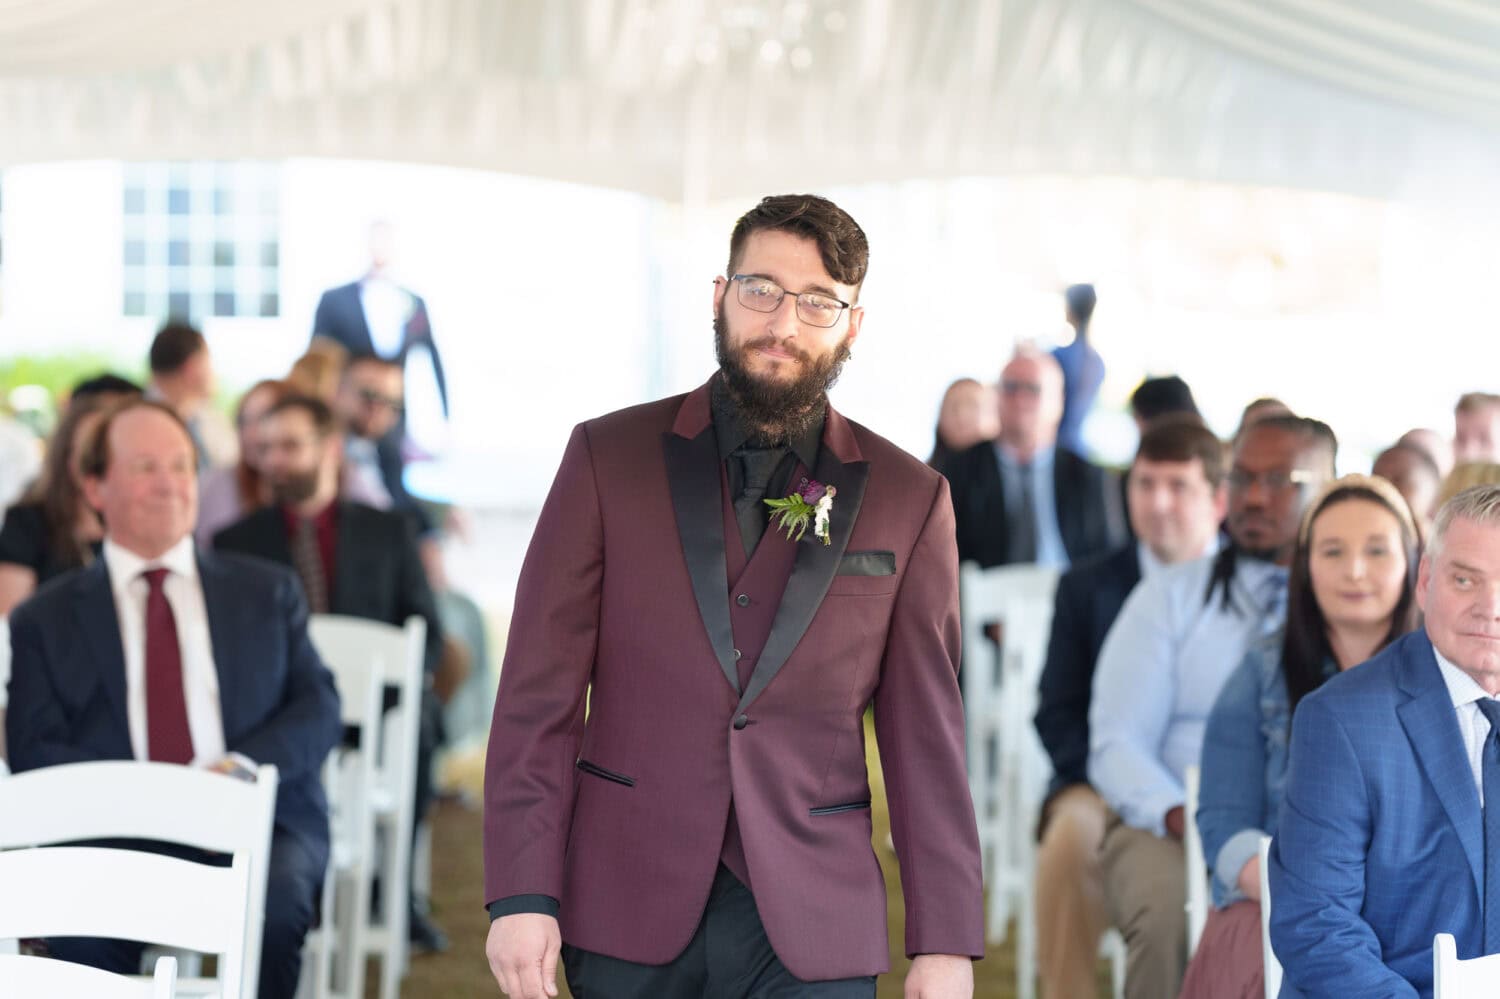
1175, 822
1249, 879
940, 976
523, 951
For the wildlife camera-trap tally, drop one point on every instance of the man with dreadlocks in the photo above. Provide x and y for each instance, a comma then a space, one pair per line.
1177, 638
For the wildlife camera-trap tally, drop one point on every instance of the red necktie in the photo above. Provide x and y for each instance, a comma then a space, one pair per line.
168, 739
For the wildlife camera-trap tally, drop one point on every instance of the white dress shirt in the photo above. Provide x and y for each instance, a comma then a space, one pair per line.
200, 680
387, 307
1473, 726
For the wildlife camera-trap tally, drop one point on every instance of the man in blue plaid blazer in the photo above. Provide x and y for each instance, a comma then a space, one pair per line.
1382, 841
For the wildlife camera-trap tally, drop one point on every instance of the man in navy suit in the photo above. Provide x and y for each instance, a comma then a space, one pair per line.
160, 652
375, 316
1176, 500
1390, 829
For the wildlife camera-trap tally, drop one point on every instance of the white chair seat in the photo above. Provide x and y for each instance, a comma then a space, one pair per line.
1475, 978
44, 978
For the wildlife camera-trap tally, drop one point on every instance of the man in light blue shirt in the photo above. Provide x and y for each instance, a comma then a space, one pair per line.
1178, 637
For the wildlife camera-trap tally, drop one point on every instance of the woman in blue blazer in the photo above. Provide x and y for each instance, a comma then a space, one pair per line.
1351, 592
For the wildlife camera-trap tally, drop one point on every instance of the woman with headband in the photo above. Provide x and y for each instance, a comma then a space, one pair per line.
1352, 591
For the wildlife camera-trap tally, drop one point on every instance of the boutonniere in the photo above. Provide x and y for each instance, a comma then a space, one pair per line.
812, 502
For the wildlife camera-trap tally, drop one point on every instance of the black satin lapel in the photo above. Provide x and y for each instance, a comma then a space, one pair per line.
100, 624
693, 476
812, 572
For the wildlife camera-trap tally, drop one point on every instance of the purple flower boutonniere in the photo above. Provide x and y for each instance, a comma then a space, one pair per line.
811, 503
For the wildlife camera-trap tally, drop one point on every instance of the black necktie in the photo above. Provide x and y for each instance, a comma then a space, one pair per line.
1491, 782
1023, 522
749, 509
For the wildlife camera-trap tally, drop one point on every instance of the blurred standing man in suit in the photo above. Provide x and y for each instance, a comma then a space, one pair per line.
1176, 501
1082, 367
376, 316
705, 830
1390, 829
160, 652
1025, 498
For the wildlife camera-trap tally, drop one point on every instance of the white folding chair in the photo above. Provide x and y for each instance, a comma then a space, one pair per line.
349, 777
44, 978
1267, 956
132, 895
1197, 868
396, 655
129, 799
1008, 769
1475, 978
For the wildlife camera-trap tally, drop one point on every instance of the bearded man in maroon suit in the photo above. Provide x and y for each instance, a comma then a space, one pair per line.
720, 584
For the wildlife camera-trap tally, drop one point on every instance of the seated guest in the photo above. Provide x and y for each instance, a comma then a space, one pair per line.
104, 389
968, 415
1351, 593
1179, 636
1258, 409
227, 494
317, 372
1476, 427
1023, 498
1415, 475
1388, 831
182, 377
352, 559
1467, 475
160, 652
369, 406
1157, 397
1176, 501
53, 529
1437, 447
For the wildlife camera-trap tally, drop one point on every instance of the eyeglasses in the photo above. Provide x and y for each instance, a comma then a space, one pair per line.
370, 397
760, 294
1274, 481
1017, 388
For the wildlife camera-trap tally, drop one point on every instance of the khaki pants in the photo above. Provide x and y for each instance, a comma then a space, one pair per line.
1145, 890
1070, 912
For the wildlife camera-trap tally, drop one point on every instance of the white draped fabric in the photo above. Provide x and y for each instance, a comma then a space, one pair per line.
694, 100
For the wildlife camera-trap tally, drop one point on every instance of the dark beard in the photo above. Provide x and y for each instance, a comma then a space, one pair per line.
779, 412
296, 488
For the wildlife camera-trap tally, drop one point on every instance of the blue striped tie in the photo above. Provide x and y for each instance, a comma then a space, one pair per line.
1491, 782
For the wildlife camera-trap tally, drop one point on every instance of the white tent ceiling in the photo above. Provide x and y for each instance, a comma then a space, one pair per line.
700, 99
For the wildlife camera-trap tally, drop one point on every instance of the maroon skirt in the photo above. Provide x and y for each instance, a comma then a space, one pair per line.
1228, 963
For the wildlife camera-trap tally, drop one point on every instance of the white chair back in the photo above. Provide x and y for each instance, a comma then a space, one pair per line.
44, 978
1008, 769
1475, 978
396, 655
1267, 956
349, 777
1197, 867
131, 895
157, 801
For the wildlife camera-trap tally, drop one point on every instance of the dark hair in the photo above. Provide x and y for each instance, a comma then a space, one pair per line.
1159, 396
56, 491
1081, 300
841, 242
1306, 647
1182, 437
96, 453
1315, 433
174, 345
104, 383
356, 360
318, 411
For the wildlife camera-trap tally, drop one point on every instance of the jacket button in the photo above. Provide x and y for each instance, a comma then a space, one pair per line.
737, 654
741, 721
743, 600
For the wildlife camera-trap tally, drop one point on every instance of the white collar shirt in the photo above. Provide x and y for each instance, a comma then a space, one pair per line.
387, 308
200, 679
1473, 726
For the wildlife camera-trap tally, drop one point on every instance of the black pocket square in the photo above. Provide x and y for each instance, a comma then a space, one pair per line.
868, 564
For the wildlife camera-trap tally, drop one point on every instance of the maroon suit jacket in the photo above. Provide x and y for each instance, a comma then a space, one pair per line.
616, 804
